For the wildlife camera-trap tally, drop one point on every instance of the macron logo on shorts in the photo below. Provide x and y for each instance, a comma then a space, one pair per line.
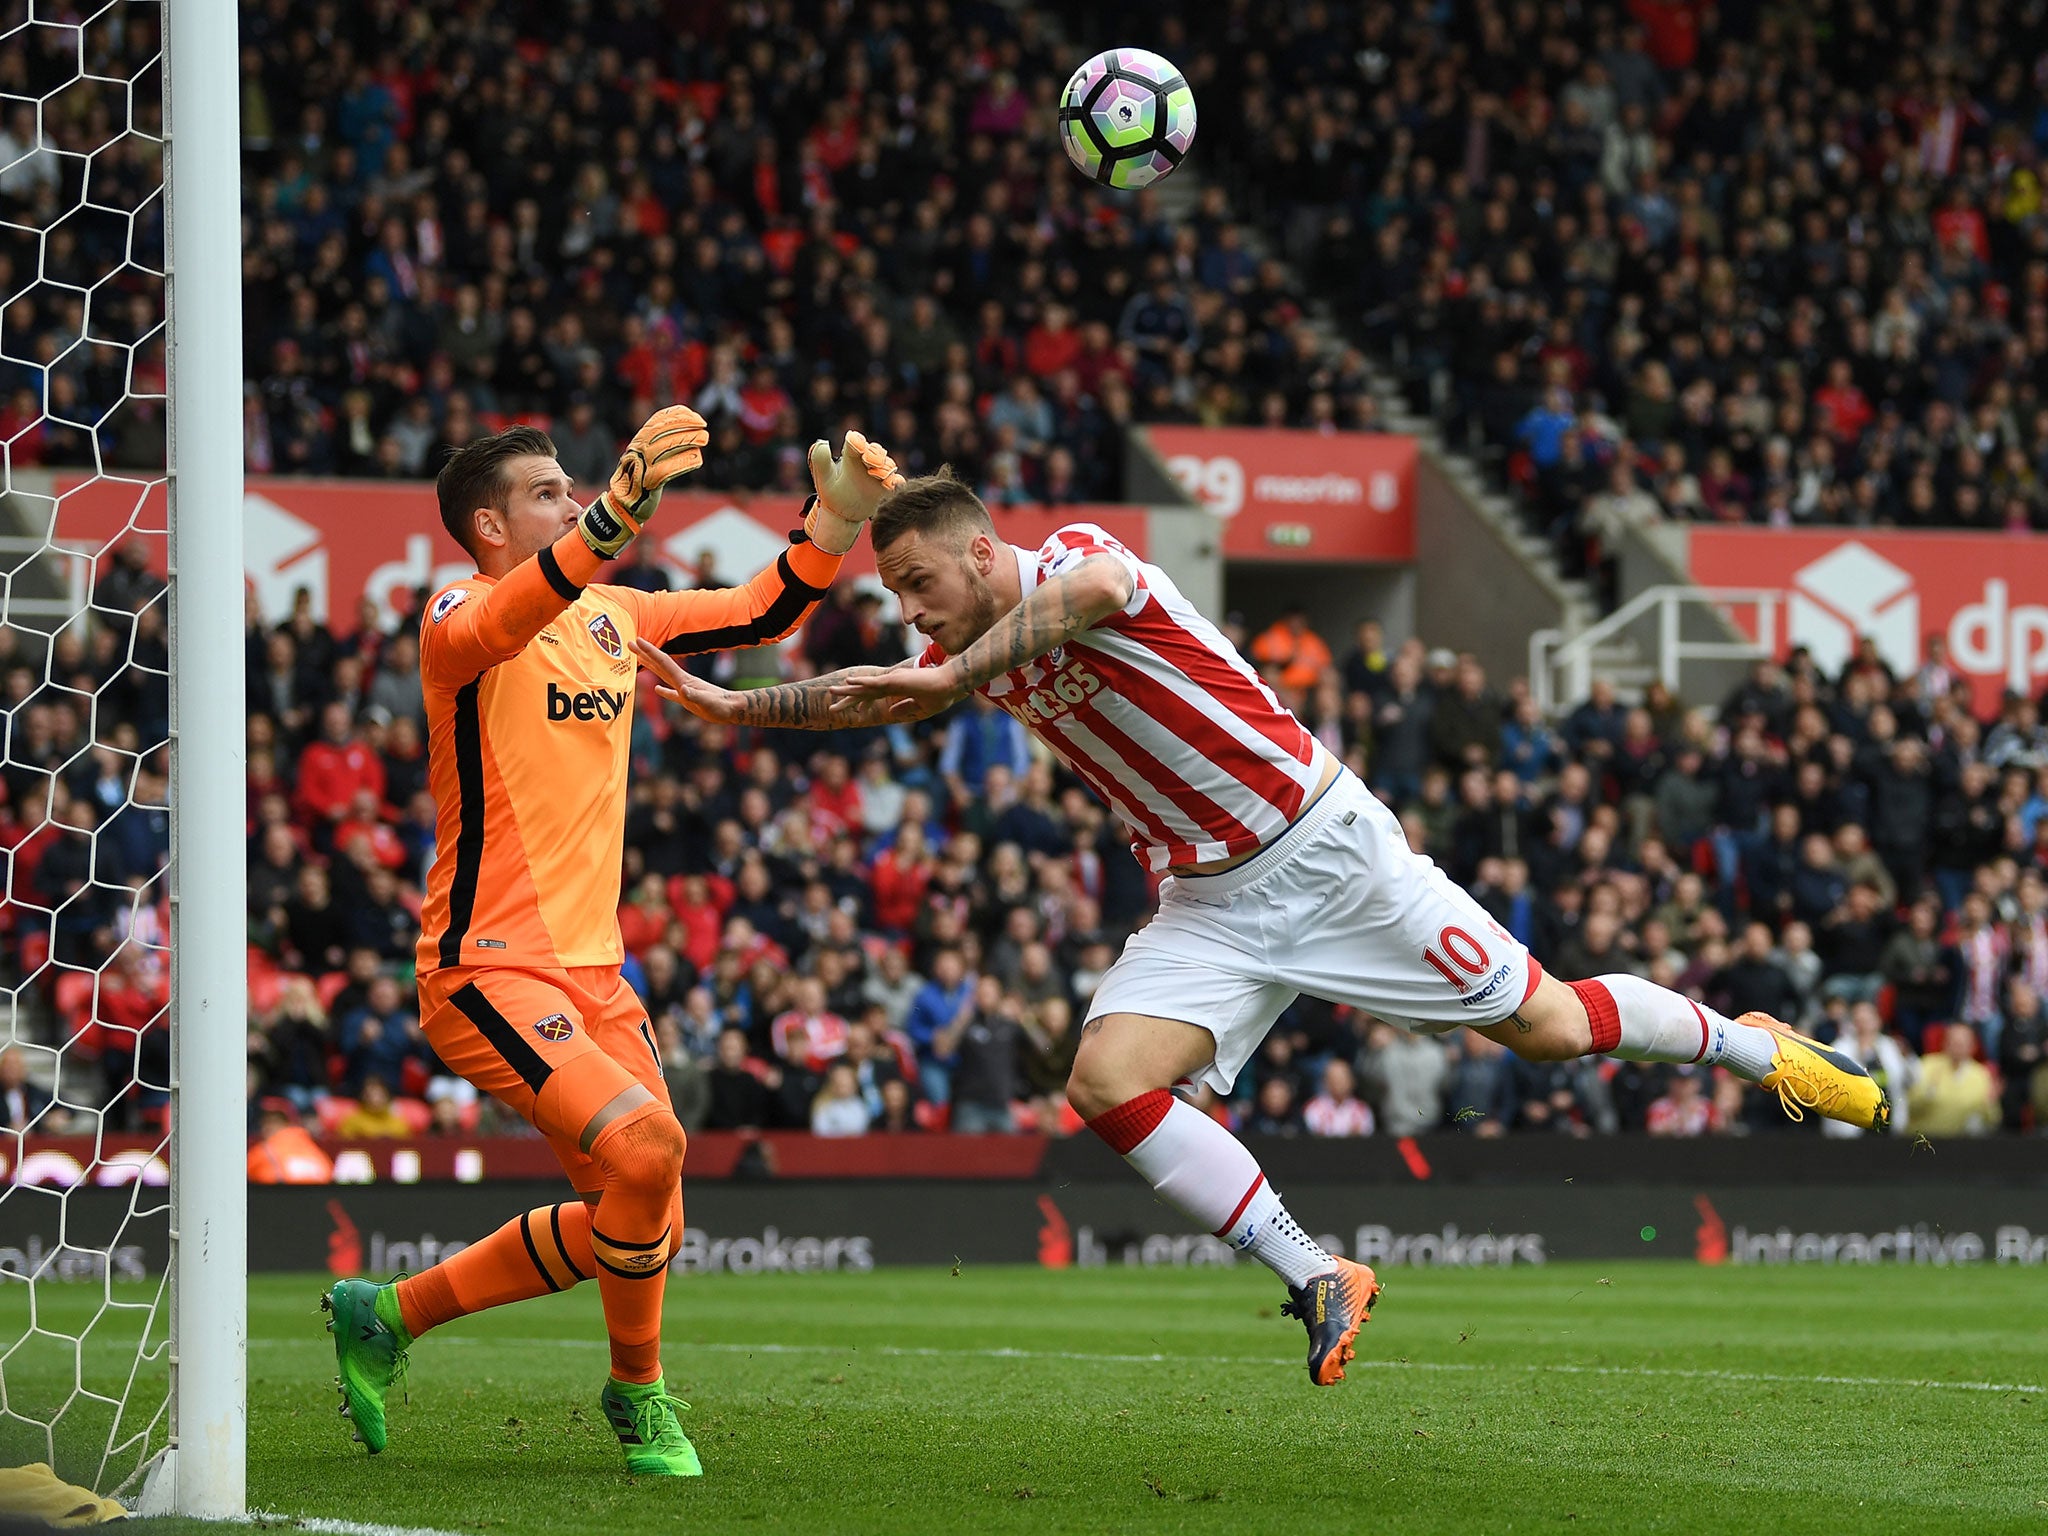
556, 1027
1493, 985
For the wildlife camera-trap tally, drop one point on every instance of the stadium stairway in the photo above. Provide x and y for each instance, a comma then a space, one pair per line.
1619, 661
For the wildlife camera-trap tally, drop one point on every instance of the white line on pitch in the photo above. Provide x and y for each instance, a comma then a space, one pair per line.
339, 1527
894, 1351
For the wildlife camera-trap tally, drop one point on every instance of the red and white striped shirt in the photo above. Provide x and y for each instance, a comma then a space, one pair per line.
1325, 1116
1984, 954
2030, 939
1155, 712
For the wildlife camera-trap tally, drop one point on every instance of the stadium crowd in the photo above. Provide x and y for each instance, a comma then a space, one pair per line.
1761, 264
1734, 262
796, 217
898, 929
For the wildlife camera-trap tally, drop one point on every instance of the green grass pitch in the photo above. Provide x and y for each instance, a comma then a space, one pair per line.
1641, 1396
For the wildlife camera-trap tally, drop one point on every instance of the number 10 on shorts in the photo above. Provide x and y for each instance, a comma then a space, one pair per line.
1467, 961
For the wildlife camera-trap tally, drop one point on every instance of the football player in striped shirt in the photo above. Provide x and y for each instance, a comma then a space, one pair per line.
1287, 875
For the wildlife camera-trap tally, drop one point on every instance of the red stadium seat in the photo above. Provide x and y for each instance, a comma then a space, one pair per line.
266, 989
72, 993
35, 953
333, 1110
780, 246
1934, 1034
707, 94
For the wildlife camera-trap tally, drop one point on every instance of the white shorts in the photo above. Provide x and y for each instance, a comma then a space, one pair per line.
1338, 907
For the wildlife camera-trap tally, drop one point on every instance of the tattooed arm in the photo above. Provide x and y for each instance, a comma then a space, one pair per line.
1054, 613
805, 706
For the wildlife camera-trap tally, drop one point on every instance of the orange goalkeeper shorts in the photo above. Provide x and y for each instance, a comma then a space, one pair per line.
557, 1046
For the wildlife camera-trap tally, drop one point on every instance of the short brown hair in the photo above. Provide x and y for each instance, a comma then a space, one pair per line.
936, 503
474, 476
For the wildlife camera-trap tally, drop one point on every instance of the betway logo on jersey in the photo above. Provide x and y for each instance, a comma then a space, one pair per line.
1898, 589
592, 704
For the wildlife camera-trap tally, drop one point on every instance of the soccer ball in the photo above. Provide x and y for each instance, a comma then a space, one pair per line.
1127, 118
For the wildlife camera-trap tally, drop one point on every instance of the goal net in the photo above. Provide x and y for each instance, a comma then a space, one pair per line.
121, 1040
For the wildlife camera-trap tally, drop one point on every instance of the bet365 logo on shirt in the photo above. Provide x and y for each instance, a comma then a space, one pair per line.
1056, 694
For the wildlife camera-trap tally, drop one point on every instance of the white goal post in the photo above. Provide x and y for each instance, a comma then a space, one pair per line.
123, 848
207, 1462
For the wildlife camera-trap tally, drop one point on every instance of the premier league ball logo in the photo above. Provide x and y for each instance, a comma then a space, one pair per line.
1127, 118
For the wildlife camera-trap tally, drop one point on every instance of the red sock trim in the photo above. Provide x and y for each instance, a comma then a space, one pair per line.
1601, 1013
1704, 1036
1535, 978
1224, 1230
1132, 1121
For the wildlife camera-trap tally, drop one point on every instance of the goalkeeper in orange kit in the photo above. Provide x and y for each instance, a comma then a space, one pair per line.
529, 682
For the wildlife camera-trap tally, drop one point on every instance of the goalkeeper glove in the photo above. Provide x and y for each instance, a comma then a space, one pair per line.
671, 444
850, 488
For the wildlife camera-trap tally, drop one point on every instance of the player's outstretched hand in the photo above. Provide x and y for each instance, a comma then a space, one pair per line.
801, 706
850, 489
905, 692
707, 701
672, 443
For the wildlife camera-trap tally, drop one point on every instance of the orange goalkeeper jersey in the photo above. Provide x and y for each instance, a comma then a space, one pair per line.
529, 692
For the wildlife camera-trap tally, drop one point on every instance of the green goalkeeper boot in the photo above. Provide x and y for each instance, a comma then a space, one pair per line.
644, 1419
369, 1348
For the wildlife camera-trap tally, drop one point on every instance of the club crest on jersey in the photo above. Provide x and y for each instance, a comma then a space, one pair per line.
555, 1027
606, 634
448, 602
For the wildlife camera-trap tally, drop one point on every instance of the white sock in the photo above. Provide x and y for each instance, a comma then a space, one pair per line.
1276, 1240
1657, 1024
1212, 1178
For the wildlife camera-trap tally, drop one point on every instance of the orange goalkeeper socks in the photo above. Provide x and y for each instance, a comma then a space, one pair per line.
544, 1250
631, 1234
625, 1243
